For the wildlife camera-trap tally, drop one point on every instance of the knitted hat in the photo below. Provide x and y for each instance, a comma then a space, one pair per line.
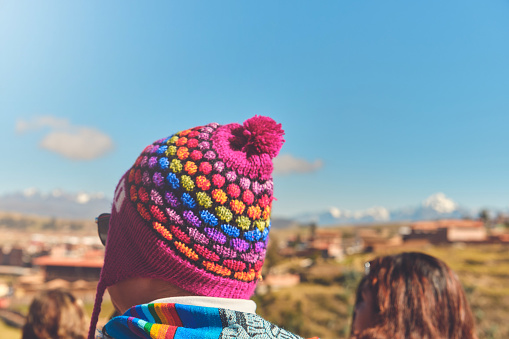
194, 210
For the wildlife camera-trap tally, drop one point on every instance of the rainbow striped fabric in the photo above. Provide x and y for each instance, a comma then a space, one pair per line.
176, 321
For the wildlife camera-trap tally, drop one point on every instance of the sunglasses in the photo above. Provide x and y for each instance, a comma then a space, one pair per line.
103, 224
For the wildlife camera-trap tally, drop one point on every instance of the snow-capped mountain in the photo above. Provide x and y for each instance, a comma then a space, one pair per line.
436, 206
58, 203
338, 216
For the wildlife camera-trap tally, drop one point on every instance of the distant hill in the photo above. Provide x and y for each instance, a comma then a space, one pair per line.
58, 204
437, 206
64, 205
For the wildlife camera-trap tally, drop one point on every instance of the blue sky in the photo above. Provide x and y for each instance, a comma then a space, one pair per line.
383, 103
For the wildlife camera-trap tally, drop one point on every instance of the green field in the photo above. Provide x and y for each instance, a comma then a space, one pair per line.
322, 306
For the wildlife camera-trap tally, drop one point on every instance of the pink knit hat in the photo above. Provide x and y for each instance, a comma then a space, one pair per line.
194, 210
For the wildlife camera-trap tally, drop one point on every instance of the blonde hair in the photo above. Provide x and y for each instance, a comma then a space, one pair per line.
55, 314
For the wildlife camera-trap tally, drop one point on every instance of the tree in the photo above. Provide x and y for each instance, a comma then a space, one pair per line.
484, 216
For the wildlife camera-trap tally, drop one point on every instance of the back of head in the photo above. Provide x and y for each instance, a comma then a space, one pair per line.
55, 314
416, 296
194, 211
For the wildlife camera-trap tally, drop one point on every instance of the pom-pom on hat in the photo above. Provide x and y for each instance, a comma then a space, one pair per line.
194, 210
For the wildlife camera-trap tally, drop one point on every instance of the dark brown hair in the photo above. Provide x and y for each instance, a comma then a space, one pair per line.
416, 296
55, 314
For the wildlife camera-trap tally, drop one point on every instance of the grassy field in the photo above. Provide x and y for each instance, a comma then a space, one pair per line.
9, 332
322, 306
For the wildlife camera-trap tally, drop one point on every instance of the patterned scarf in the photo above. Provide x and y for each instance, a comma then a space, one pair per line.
177, 321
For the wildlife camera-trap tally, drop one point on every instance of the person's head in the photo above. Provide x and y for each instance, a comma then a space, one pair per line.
411, 295
192, 215
55, 314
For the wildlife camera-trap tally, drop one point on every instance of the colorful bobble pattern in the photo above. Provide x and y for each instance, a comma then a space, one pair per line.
206, 253
219, 196
203, 183
171, 151
260, 225
153, 161
163, 231
181, 141
186, 250
209, 218
197, 236
164, 163
225, 252
245, 276
218, 180
181, 235
205, 168
243, 222
254, 212
173, 180
224, 213
158, 214
174, 216
143, 212
192, 143
210, 214
176, 166
217, 268
253, 235
142, 194
233, 190
158, 179
171, 199
134, 194
237, 206
230, 230
196, 155
156, 197
235, 265
248, 197
188, 201
203, 199
182, 153
192, 219
239, 244
215, 235
187, 182
145, 179
162, 149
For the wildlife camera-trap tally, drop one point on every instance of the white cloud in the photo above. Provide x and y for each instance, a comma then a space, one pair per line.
81, 143
70, 141
287, 164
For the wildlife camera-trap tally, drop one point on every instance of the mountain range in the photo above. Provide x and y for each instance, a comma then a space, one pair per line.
81, 205
58, 204
436, 206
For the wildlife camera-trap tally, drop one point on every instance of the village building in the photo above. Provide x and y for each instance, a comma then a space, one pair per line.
87, 267
447, 231
328, 243
11, 256
374, 241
